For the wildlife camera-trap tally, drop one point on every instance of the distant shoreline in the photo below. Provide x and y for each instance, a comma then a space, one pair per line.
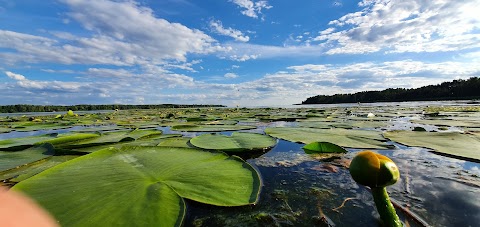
21, 108
455, 90
469, 100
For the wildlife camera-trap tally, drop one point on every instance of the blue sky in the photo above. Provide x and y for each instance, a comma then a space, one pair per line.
230, 52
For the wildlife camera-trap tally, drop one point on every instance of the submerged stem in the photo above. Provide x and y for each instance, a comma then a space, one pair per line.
385, 207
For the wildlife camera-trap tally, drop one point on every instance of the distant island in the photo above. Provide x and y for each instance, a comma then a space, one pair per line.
455, 90
50, 108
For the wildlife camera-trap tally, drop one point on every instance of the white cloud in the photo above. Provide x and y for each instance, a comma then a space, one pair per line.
251, 8
132, 23
56, 86
230, 75
15, 76
236, 34
405, 26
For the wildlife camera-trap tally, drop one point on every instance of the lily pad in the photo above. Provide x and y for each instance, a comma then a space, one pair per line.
447, 122
114, 137
323, 147
342, 137
175, 142
151, 141
211, 128
238, 142
24, 172
5, 130
13, 159
16, 144
140, 186
448, 143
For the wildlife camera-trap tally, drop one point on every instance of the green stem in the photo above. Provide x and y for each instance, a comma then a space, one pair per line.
385, 207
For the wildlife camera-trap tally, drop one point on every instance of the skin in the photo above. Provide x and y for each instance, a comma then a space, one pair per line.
17, 210
377, 172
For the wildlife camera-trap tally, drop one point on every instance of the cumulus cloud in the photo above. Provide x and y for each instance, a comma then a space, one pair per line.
15, 76
252, 8
56, 86
217, 26
405, 26
132, 23
122, 31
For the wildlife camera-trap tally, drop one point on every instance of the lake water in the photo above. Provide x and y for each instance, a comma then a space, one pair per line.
298, 189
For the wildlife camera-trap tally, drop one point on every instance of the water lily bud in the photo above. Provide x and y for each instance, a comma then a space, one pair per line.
374, 170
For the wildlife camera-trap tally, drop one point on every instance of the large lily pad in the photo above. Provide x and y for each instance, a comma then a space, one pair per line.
175, 142
140, 186
10, 159
238, 142
24, 172
447, 122
449, 143
16, 144
114, 137
342, 137
4, 130
211, 128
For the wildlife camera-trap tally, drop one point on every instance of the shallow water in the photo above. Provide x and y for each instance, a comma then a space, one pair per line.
299, 189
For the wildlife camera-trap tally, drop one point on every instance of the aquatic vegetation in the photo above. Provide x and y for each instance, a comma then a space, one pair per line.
211, 128
377, 171
323, 147
461, 145
341, 137
140, 186
237, 142
288, 170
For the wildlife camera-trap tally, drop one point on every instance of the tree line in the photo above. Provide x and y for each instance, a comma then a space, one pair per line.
51, 108
454, 90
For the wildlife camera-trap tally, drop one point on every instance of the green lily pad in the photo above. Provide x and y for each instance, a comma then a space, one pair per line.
113, 137
447, 122
24, 172
150, 141
23, 126
140, 186
16, 144
448, 143
5, 130
211, 128
10, 159
238, 142
342, 137
323, 147
175, 142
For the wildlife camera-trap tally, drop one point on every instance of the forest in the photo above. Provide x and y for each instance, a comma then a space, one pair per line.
455, 90
85, 107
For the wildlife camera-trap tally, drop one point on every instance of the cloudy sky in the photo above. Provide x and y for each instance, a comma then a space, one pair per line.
231, 52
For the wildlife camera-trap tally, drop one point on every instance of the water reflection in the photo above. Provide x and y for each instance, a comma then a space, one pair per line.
298, 190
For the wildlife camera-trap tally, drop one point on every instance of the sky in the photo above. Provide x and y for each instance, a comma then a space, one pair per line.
229, 52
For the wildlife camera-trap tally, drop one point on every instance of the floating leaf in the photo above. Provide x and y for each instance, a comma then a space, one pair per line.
4, 130
140, 186
342, 137
13, 159
113, 137
175, 142
323, 147
238, 142
16, 144
448, 143
447, 122
151, 141
211, 128
24, 172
